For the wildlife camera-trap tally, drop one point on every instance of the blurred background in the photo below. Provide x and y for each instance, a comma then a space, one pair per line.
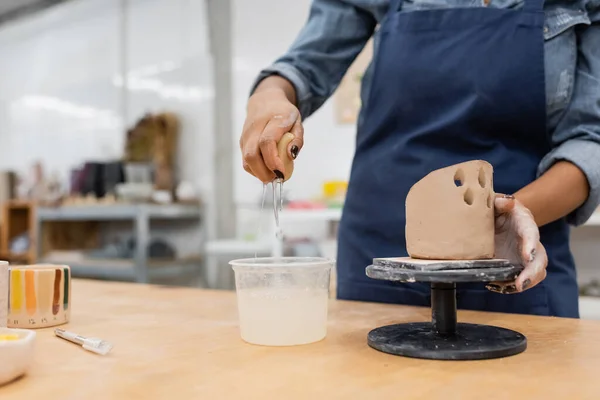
119, 129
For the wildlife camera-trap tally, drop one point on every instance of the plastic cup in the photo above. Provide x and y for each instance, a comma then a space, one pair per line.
282, 301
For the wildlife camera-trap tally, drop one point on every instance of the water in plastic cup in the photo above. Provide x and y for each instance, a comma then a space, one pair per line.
282, 301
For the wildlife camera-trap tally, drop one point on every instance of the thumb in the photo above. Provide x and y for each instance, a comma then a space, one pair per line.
503, 203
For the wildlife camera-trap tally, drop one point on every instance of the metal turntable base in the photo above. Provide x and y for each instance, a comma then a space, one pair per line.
443, 338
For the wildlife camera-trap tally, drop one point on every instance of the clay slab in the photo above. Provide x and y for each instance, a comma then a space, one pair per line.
404, 269
430, 265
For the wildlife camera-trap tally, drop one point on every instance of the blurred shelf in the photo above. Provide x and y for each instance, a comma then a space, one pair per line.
124, 268
118, 212
233, 247
19, 204
13, 257
18, 224
77, 227
327, 214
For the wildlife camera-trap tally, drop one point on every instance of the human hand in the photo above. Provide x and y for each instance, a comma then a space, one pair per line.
518, 240
269, 116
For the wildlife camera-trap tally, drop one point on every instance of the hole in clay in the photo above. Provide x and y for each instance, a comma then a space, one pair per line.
481, 178
469, 197
459, 178
489, 201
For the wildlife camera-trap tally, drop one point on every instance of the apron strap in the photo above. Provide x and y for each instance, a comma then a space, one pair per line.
530, 5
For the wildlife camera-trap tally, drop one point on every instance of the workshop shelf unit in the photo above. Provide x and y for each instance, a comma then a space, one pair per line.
140, 268
18, 219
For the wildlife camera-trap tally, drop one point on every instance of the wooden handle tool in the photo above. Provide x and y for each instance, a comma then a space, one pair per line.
288, 163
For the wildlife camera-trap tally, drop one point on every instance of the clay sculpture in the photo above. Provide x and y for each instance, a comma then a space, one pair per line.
450, 213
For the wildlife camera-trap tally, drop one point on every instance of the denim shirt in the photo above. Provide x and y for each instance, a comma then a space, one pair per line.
337, 31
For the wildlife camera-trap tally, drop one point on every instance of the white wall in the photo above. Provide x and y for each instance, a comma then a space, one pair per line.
57, 100
170, 67
62, 94
62, 97
74, 77
586, 250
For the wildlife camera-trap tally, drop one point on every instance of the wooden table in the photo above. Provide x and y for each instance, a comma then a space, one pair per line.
178, 343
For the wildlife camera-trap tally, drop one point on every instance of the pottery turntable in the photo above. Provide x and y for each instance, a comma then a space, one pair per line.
450, 240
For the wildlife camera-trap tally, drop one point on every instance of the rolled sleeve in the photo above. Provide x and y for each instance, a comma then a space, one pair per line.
334, 35
584, 154
295, 77
577, 136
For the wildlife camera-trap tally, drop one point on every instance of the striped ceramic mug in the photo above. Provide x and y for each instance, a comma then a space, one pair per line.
39, 296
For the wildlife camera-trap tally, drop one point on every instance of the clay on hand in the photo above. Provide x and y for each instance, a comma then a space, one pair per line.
518, 240
450, 213
288, 163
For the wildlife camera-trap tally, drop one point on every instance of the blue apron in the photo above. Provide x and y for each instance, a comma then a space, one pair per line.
450, 86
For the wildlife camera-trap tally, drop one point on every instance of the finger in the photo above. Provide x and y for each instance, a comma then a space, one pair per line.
253, 160
252, 127
535, 271
522, 221
268, 145
503, 204
527, 231
297, 143
247, 168
502, 287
